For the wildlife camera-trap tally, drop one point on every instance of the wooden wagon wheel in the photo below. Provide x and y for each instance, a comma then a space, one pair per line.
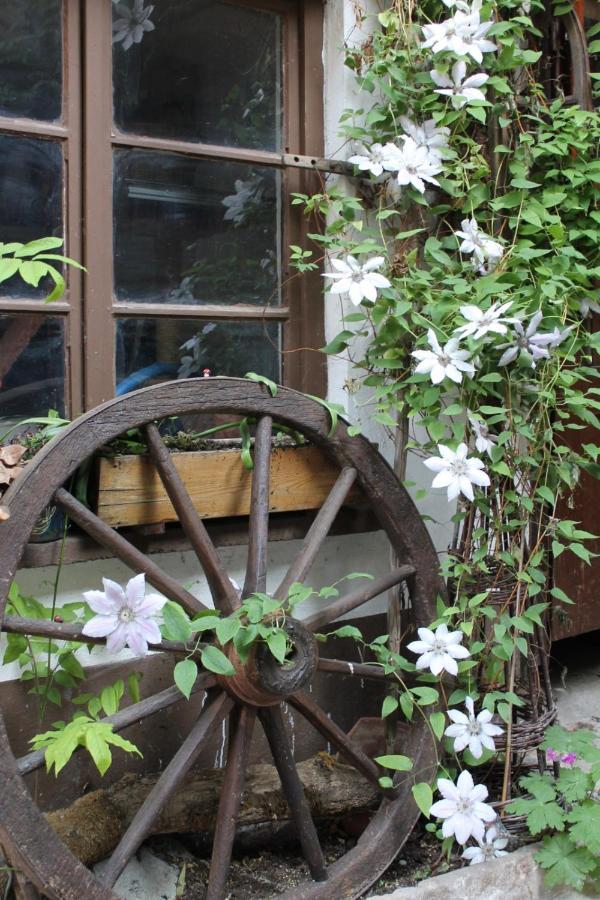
25, 834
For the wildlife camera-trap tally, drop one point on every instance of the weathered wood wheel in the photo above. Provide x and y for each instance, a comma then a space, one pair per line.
28, 840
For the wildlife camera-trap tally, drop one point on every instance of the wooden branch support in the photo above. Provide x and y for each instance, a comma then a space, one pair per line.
94, 825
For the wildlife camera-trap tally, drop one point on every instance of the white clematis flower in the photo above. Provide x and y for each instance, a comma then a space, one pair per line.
469, 730
438, 650
462, 808
529, 341
484, 440
412, 164
360, 282
443, 362
372, 160
464, 34
126, 618
487, 253
481, 322
461, 90
491, 847
587, 306
428, 134
457, 472
133, 24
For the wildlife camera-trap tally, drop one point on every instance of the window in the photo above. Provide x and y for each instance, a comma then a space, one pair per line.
156, 140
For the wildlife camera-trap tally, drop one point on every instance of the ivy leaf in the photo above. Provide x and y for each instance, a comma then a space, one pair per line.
423, 796
564, 863
176, 625
215, 660
390, 705
437, 720
185, 674
227, 629
395, 761
277, 644
585, 829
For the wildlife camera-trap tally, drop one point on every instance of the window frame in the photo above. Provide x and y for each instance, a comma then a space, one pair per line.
302, 315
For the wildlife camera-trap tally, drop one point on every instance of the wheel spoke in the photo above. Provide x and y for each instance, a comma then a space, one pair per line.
357, 597
168, 782
223, 593
62, 631
256, 570
279, 743
318, 531
358, 670
126, 717
126, 552
241, 725
335, 736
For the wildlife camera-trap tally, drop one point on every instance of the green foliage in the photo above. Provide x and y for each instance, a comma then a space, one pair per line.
60, 744
32, 262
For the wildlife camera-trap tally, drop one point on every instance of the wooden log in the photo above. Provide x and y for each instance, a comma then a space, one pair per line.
130, 491
93, 826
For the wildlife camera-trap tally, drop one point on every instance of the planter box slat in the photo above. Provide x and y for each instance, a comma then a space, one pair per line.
130, 491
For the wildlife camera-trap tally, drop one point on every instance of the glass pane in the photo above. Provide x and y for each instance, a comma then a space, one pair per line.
30, 59
198, 70
195, 231
32, 377
31, 192
153, 350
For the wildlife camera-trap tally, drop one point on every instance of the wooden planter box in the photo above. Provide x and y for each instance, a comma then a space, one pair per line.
130, 491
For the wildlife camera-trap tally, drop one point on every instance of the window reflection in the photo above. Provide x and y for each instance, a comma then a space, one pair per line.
32, 378
30, 59
195, 231
198, 70
154, 350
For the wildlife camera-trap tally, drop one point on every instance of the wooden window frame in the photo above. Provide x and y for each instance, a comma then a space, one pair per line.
301, 314
87, 138
67, 132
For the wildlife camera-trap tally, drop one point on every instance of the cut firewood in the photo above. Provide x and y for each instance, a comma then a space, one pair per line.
94, 824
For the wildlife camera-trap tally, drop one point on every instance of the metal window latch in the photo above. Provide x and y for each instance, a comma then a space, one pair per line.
334, 166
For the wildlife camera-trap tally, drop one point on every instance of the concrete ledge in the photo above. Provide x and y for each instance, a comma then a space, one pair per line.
513, 877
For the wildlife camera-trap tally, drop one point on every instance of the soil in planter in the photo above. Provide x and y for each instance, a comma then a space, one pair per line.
265, 873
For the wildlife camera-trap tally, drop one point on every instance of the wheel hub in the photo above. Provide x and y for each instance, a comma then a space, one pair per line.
262, 680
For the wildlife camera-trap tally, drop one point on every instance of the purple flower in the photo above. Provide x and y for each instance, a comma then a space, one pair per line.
126, 618
568, 758
552, 756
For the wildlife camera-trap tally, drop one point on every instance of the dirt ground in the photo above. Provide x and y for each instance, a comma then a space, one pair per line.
266, 873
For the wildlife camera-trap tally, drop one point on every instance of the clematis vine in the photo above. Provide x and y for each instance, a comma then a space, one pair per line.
413, 165
588, 306
125, 617
460, 89
485, 441
443, 362
472, 731
481, 322
487, 253
457, 472
360, 282
491, 847
462, 808
438, 650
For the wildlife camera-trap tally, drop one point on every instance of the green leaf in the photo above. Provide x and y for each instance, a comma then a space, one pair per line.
407, 704
423, 796
277, 644
390, 705
574, 784
185, 674
437, 720
133, 686
395, 761
564, 862
109, 700
98, 749
227, 629
334, 410
425, 695
585, 828
176, 625
262, 379
38, 246
215, 660
347, 631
